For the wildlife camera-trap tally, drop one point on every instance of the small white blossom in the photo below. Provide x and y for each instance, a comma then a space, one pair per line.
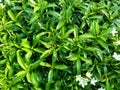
79, 78
117, 42
82, 81
116, 56
101, 88
88, 74
114, 31
93, 81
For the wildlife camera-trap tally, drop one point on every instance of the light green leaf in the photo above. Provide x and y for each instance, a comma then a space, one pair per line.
11, 15
34, 79
54, 57
46, 53
39, 50
34, 18
54, 13
86, 35
45, 64
28, 54
105, 12
72, 57
35, 64
25, 43
108, 85
68, 33
28, 76
19, 14
19, 76
103, 44
20, 60
60, 24
50, 5
61, 67
50, 75
86, 60
78, 66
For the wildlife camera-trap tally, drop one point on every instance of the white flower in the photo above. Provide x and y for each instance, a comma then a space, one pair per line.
114, 31
117, 42
79, 78
93, 81
116, 56
88, 74
82, 81
101, 88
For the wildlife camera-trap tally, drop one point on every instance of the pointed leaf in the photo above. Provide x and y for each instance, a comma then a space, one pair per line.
25, 43
103, 44
46, 54
20, 60
45, 64
11, 15
19, 76
61, 67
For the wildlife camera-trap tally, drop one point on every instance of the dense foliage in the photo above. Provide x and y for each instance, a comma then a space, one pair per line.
60, 45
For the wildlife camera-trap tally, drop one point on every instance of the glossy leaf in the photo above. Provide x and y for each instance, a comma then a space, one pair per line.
20, 60
61, 67
19, 76
11, 15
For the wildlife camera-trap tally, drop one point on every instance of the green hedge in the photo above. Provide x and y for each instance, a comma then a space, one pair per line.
60, 45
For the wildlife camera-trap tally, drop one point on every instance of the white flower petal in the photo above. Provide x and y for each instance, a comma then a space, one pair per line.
88, 74
116, 56
114, 31
101, 88
93, 81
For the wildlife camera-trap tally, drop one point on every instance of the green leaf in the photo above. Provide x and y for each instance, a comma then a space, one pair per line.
99, 71
116, 13
11, 15
35, 64
78, 66
72, 57
34, 18
61, 67
39, 50
108, 85
28, 77
105, 12
45, 64
25, 43
19, 76
54, 57
54, 13
28, 54
60, 24
99, 53
103, 44
68, 33
37, 38
50, 75
105, 32
20, 60
86, 35
50, 5
19, 14
46, 53
34, 79
86, 60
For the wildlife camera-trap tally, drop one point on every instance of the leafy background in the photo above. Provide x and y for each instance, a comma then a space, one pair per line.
44, 44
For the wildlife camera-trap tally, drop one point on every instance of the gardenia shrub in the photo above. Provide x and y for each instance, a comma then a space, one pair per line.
59, 45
